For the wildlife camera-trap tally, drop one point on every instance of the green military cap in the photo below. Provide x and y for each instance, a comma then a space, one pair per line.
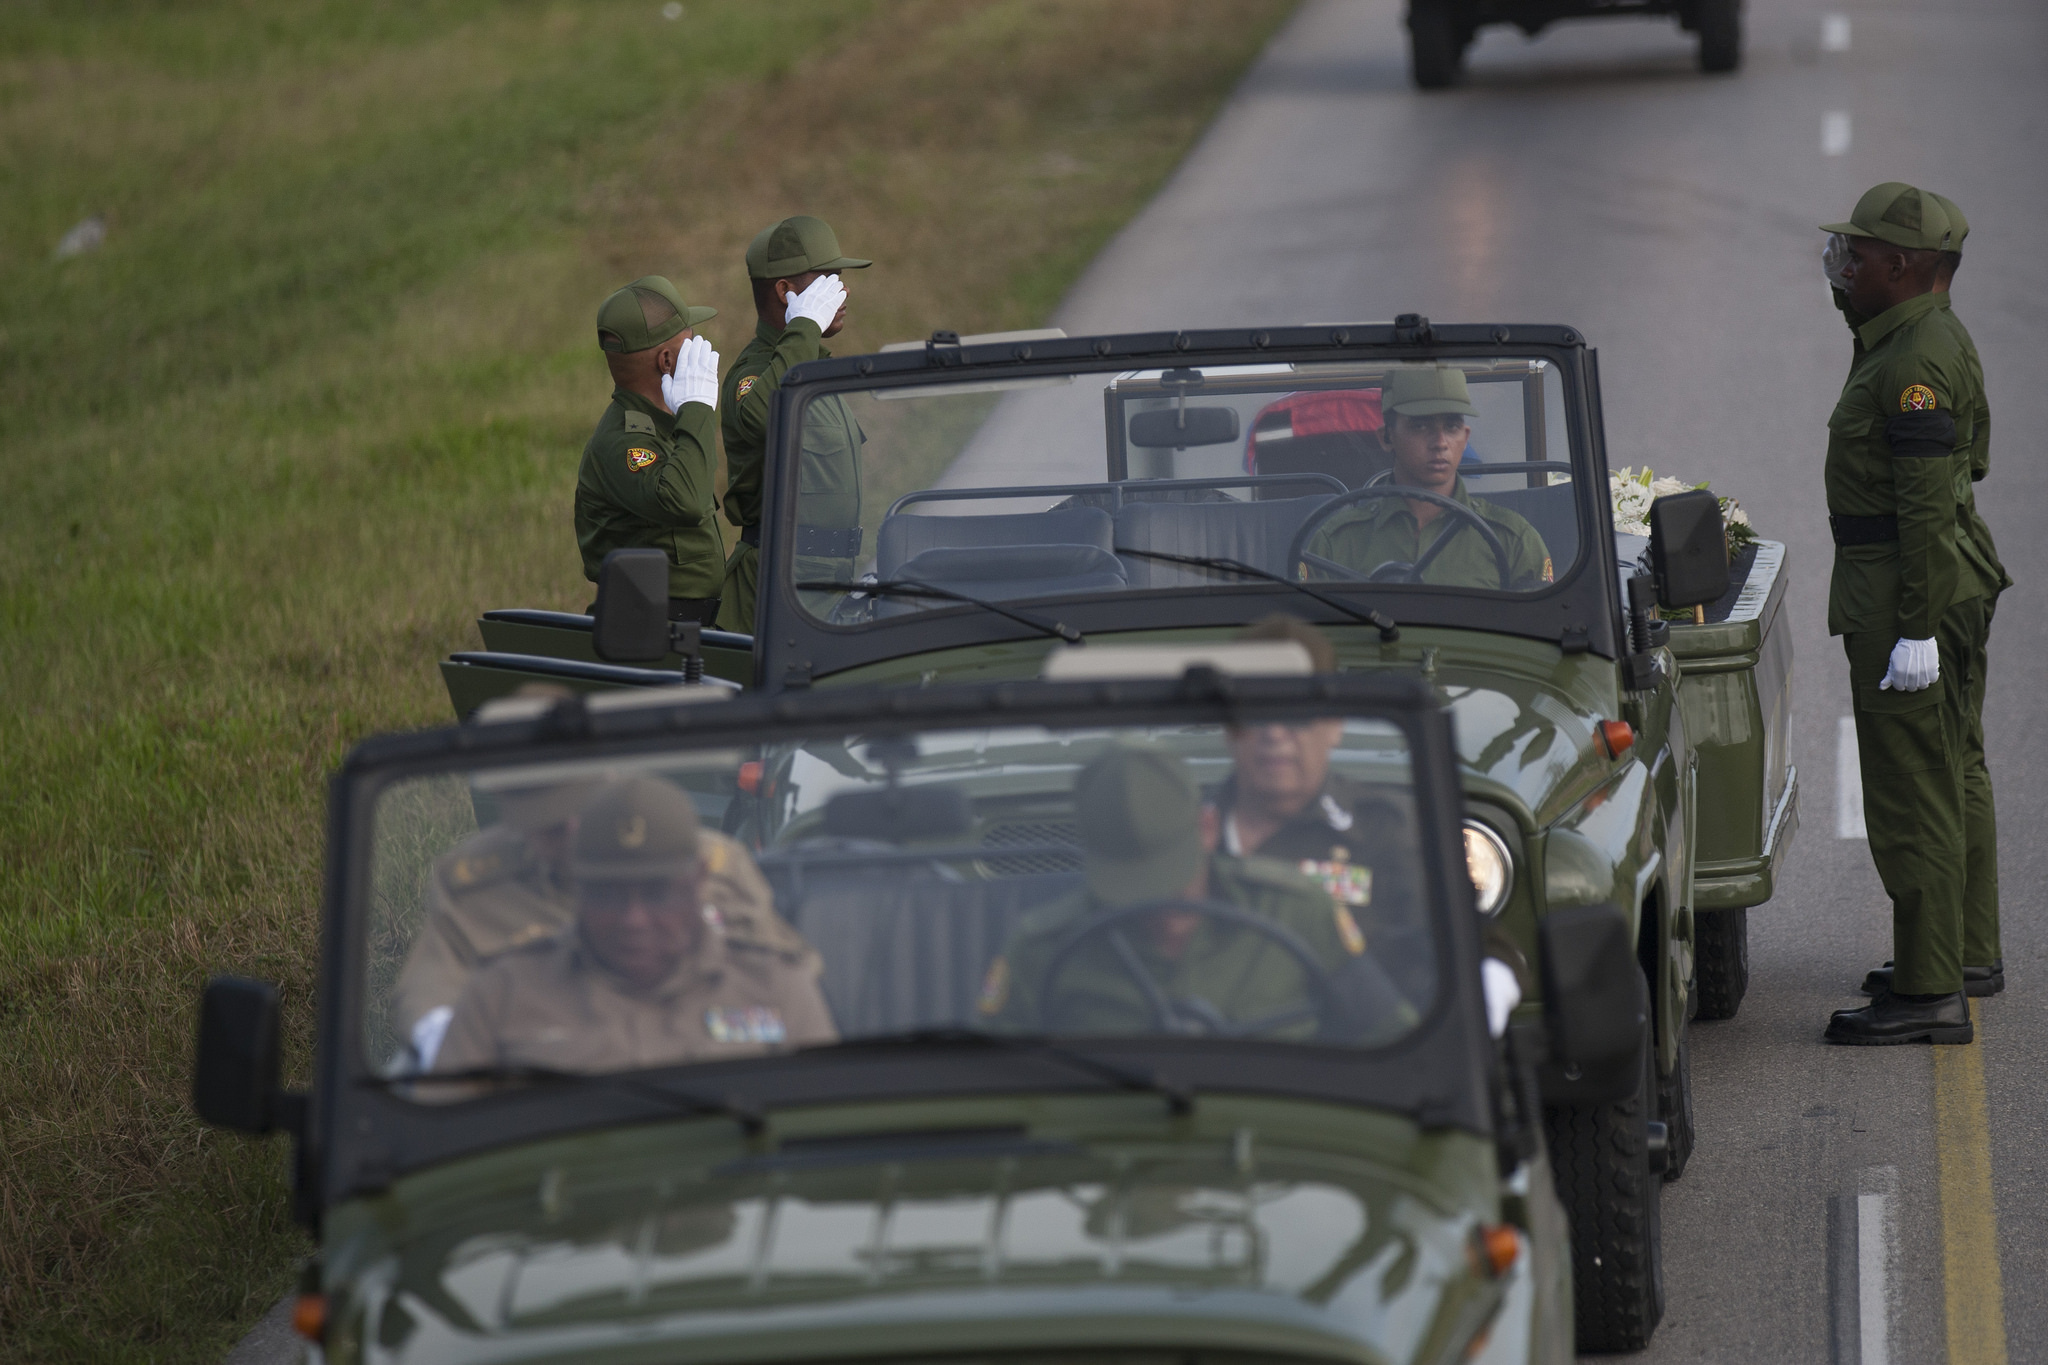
637, 829
796, 246
1960, 224
1426, 390
1898, 213
645, 313
1140, 823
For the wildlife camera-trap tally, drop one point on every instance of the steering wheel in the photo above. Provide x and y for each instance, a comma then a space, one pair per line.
1192, 1017
1394, 571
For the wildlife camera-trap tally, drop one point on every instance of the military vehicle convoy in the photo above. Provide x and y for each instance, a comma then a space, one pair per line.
1027, 497
1180, 1130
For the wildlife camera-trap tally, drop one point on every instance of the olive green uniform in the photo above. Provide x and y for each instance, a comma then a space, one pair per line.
1385, 530
491, 894
552, 1005
1899, 445
828, 510
1241, 974
646, 481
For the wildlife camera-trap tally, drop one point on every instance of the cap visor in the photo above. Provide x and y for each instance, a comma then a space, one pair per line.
1433, 407
1849, 228
693, 316
844, 263
1118, 882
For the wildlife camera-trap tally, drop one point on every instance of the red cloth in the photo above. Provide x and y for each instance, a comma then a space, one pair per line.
1320, 412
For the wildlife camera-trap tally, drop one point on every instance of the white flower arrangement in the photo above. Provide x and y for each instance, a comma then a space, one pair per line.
1633, 491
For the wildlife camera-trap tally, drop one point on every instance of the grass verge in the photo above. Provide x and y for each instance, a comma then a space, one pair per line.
318, 400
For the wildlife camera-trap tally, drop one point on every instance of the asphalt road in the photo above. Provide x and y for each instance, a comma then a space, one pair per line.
1593, 177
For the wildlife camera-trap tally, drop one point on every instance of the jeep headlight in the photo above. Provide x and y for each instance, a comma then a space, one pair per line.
1489, 864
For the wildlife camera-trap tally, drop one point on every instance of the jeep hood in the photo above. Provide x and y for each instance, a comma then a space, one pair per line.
622, 1247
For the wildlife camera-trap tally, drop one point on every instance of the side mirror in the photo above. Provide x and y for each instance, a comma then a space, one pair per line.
1174, 427
632, 607
1688, 549
234, 1080
1594, 999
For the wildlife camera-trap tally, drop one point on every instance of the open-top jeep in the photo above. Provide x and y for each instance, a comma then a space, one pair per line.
1025, 496
992, 1099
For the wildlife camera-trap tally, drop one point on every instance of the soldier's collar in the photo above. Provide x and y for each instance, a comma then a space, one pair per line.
664, 420
1891, 319
1392, 506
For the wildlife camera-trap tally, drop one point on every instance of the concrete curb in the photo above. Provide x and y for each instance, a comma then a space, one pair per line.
271, 1341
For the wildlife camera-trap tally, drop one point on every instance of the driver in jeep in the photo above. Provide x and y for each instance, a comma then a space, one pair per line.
1168, 936
1424, 540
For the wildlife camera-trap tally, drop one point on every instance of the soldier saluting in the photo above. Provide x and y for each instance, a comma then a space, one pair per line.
646, 481
799, 300
1905, 599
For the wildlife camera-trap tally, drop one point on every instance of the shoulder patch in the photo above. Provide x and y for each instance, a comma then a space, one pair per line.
1917, 398
746, 386
639, 421
639, 457
1548, 575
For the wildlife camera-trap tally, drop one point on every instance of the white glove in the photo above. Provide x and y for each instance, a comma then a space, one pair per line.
1915, 664
820, 301
695, 379
1502, 991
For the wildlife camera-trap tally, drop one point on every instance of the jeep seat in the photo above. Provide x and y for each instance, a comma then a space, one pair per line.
906, 535
1256, 532
1005, 571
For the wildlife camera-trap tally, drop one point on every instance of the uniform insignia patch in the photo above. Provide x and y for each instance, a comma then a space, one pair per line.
1548, 577
1348, 883
1348, 930
746, 386
744, 1024
639, 457
995, 988
1917, 398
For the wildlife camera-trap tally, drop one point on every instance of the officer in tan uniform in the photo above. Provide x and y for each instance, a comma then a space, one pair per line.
645, 978
508, 885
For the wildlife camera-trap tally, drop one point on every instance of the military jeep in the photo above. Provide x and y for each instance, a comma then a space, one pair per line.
1025, 497
1349, 1169
1440, 31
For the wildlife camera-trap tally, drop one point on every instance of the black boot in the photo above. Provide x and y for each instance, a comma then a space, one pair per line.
1905, 1019
1976, 980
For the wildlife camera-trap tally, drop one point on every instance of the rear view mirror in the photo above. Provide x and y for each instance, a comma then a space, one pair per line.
1594, 999
1688, 549
234, 1081
899, 814
632, 607
1172, 428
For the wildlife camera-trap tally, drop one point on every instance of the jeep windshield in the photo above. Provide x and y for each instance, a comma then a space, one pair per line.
1360, 476
979, 885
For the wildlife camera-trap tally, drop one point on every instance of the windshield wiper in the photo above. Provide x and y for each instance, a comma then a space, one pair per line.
738, 1108
910, 587
1389, 632
1179, 1099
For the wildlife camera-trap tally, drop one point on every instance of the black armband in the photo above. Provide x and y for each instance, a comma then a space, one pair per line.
1921, 435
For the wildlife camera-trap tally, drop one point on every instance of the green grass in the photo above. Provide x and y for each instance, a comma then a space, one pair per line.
318, 401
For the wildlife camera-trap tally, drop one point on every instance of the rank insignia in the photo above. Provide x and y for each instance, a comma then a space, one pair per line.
1347, 882
995, 988
639, 457
1348, 930
746, 386
1917, 398
744, 1024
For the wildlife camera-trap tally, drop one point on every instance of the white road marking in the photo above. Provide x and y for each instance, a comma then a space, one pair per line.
1872, 1286
1834, 33
1848, 783
1834, 132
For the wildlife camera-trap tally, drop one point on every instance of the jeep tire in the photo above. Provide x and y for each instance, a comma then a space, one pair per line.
1614, 1198
1436, 46
1720, 29
1674, 1105
1720, 940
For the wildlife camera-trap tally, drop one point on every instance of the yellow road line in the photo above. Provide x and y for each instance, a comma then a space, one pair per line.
1969, 1218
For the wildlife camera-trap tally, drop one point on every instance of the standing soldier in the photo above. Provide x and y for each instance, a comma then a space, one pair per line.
1902, 596
647, 475
1983, 959
799, 300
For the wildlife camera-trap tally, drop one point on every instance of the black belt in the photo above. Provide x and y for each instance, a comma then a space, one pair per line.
1864, 530
827, 542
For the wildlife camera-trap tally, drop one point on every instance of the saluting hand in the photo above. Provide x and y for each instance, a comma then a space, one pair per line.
820, 301
695, 379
